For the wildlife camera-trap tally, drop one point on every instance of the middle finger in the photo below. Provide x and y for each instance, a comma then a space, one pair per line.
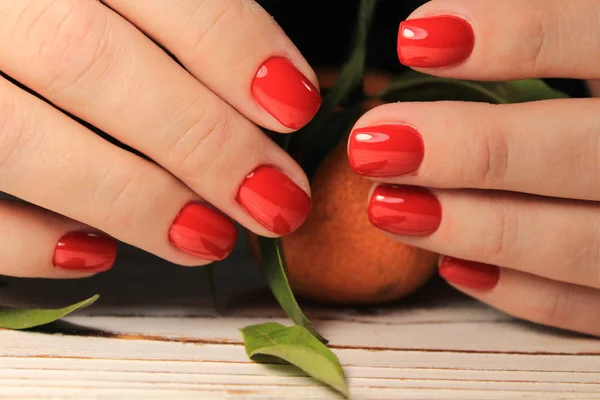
535, 148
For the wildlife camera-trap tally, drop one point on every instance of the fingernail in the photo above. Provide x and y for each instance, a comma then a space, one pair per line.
385, 150
281, 90
203, 232
405, 210
85, 252
469, 274
274, 200
434, 42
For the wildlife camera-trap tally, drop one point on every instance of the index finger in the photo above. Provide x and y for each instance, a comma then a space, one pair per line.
236, 49
503, 40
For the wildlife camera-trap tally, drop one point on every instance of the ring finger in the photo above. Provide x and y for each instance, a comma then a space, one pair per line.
526, 296
553, 238
533, 147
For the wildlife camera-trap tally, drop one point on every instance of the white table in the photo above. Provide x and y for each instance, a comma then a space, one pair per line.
156, 335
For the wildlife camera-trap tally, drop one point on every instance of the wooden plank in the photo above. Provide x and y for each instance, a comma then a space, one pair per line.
19, 344
156, 334
256, 383
430, 379
275, 393
513, 337
186, 368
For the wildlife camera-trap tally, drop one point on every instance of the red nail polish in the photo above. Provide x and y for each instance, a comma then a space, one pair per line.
434, 42
85, 252
385, 150
274, 200
470, 274
286, 94
203, 232
405, 210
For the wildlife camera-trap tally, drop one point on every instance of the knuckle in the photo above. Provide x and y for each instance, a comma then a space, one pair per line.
211, 17
12, 132
118, 194
556, 310
70, 37
502, 241
200, 143
591, 259
533, 51
492, 159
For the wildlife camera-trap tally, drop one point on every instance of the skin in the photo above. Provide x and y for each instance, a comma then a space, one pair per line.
91, 59
518, 184
96, 61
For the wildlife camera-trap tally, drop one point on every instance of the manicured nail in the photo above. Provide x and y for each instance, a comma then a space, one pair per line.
405, 210
274, 200
281, 90
85, 252
203, 232
385, 150
434, 42
469, 274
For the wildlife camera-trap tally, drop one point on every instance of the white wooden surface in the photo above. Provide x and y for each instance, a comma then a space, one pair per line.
156, 335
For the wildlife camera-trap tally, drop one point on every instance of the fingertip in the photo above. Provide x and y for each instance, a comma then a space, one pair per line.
86, 252
284, 92
434, 42
469, 274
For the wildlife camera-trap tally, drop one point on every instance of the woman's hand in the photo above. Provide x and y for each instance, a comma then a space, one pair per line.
197, 121
513, 189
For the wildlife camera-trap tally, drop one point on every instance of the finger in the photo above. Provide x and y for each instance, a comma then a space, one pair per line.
594, 87
547, 148
49, 160
526, 296
36, 243
97, 66
552, 238
484, 40
256, 69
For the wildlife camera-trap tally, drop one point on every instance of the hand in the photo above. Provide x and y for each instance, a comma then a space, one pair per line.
196, 121
512, 190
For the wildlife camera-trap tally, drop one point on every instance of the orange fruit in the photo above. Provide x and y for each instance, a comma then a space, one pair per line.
337, 256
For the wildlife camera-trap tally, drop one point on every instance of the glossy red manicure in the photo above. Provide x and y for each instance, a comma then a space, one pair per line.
405, 210
385, 150
469, 274
85, 252
286, 94
203, 232
434, 42
274, 200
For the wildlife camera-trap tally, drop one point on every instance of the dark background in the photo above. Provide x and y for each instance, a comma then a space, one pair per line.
323, 30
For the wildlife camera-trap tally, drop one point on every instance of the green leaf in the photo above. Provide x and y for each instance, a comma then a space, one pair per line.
299, 347
534, 90
12, 318
274, 263
415, 86
312, 143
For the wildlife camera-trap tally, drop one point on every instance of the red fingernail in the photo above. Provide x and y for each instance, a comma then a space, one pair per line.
274, 200
285, 93
203, 232
385, 150
405, 210
85, 252
470, 274
434, 42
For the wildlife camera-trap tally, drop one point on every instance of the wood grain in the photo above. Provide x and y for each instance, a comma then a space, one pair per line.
156, 334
